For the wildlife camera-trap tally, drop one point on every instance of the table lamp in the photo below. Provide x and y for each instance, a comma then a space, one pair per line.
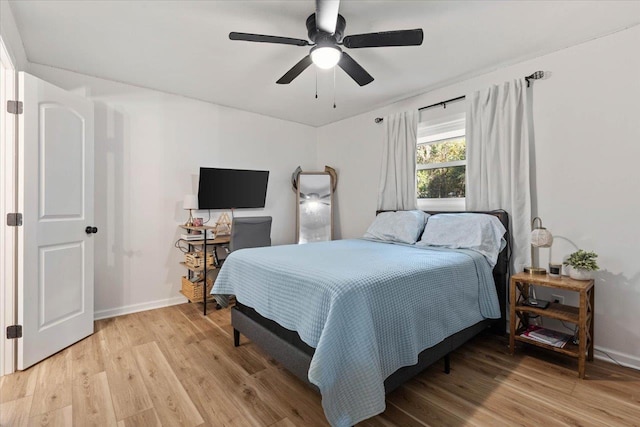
540, 238
190, 202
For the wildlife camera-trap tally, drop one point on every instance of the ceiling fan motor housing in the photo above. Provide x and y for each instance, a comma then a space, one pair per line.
320, 37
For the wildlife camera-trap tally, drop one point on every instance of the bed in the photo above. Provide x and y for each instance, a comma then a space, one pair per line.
359, 321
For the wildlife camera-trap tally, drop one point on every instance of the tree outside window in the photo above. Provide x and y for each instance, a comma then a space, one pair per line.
441, 169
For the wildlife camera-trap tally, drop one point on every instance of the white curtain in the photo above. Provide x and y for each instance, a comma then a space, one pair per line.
397, 189
498, 160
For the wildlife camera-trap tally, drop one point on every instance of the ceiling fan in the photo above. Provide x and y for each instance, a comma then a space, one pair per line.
314, 198
326, 30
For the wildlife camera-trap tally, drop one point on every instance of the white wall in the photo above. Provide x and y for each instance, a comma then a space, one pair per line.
149, 147
11, 37
587, 146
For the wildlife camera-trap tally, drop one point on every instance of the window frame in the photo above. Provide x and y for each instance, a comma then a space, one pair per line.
434, 132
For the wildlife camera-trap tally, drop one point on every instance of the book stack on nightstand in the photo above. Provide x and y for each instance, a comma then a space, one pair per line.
581, 316
547, 336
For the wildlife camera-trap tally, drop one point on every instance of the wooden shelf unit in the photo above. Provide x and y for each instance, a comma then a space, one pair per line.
203, 243
582, 316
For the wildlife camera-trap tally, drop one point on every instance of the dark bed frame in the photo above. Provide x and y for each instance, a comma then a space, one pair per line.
288, 349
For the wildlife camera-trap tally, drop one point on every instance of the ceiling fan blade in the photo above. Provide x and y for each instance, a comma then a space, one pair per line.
327, 15
386, 38
295, 71
354, 70
267, 39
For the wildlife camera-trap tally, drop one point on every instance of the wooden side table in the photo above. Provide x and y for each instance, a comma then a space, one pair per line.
582, 316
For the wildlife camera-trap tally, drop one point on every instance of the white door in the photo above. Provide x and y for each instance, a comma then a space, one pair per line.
55, 196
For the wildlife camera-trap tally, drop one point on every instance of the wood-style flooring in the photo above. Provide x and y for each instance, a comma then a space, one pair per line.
174, 367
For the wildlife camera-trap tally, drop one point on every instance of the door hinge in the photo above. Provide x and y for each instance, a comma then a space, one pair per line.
14, 331
14, 107
14, 219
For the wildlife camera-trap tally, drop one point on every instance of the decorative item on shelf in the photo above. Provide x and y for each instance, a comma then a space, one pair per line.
198, 222
555, 269
582, 264
540, 238
223, 225
190, 202
196, 259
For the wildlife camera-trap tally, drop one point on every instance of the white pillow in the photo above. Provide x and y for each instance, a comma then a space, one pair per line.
479, 232
400, 226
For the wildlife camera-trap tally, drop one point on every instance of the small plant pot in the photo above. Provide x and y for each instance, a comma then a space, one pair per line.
580, 274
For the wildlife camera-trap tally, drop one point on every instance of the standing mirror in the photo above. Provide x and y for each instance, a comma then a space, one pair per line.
314, 207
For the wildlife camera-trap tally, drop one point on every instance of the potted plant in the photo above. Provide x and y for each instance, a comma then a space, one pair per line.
583, 264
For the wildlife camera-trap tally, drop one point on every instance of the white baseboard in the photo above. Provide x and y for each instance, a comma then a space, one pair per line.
134, 308
624, 359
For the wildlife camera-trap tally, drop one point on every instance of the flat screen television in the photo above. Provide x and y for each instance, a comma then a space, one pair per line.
232, 188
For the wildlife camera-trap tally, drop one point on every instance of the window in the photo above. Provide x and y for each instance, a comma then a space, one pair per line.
441, 161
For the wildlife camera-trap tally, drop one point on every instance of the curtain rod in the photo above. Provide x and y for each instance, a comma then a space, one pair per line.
535, 76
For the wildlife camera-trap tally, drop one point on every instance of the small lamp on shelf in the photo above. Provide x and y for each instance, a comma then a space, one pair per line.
540, 238
190, 202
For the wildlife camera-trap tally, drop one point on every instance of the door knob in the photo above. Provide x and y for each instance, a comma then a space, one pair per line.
90, 229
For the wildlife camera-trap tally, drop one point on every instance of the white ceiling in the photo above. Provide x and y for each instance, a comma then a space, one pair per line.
182, 47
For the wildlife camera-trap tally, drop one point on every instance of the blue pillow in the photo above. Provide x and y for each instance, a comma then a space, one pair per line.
399, 227
482, 233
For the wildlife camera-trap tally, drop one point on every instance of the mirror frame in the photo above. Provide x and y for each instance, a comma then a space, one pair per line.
331, 188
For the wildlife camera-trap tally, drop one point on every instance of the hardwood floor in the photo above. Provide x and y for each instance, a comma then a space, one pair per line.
174, 367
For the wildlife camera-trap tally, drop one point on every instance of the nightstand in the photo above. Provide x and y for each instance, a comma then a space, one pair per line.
582, 316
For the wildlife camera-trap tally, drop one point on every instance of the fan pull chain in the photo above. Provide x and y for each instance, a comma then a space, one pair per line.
334, 87
316, 69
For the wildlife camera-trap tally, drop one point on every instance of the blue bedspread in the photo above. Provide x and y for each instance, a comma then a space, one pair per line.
368, 308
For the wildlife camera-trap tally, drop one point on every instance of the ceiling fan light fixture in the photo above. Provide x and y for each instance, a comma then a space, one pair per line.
325, 29
325, 57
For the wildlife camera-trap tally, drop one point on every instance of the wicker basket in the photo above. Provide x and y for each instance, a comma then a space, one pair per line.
193, 291
196, 260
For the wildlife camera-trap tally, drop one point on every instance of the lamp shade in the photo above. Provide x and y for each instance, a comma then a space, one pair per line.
541, 238
190, 202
